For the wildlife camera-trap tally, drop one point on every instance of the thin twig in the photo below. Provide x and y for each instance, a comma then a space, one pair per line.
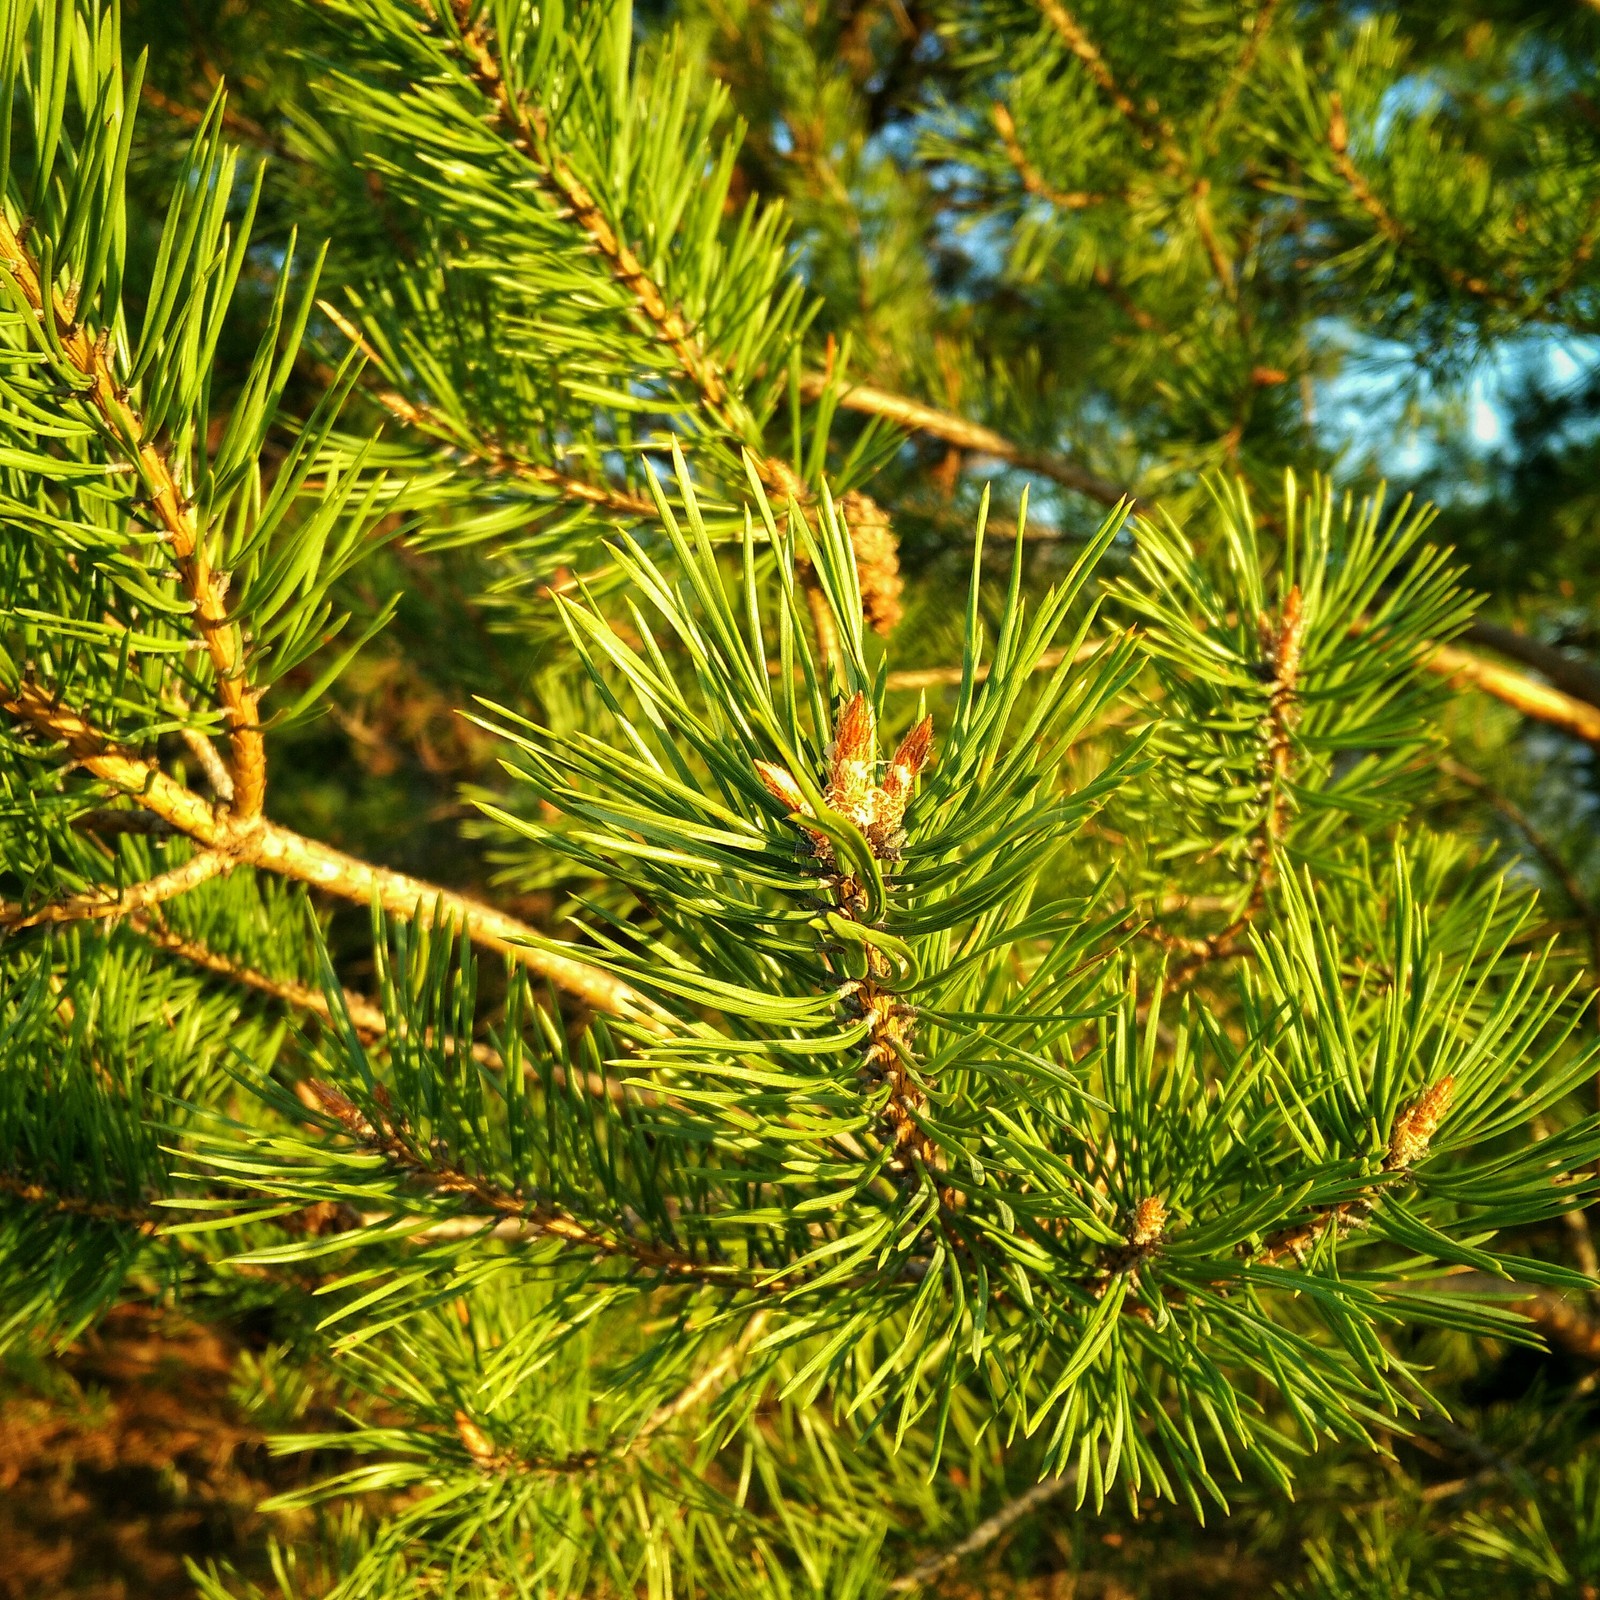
486, 454
90, 355
1583, 907
365, 1017
105, 903
391, 1138
1390, 225
986, 1531
1033, 180
965, 435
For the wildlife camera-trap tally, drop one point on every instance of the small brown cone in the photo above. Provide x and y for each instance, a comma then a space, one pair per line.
1415, 1127
877, 560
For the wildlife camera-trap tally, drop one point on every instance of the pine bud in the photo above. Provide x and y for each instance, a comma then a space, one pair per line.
853, 762
782, 787
877, 560
339, 1106
1149, 1222
908, 761
1415, 1127
476, 1442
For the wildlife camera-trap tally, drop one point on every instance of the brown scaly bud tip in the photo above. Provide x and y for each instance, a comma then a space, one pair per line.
906, 765
339, 1106
877, 560
1290, 632
1280, 639
853, 760
782, 787
1415, 1127
1149, 1222
475, 1441
1338, 128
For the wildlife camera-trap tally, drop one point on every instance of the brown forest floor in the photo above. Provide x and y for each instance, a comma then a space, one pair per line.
122, 1458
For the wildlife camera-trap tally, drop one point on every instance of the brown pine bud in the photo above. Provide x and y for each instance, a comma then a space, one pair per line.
782, 787
339, 1106
906, 765
853, 762
476, 1442
1415, 1127
877, 560
1338, 128
1149, 1222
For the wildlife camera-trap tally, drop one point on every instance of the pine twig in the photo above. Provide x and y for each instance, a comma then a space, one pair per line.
108, 903
986, 1532
365, 1017
90, 355
524, 1218
1259, 28
1389, 225
1153, 131
697, 1390
140, 1219
1583, 907
1537, 700
486, 454
1033, 180
920, 418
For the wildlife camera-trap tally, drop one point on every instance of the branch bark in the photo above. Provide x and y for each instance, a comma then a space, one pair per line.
965, 435
1577, 678
200, 868
258, 842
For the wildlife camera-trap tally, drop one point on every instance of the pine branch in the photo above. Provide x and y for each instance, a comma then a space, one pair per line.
258, 842
851, 789
705, 1384
200, 868
987, 1531
90, 354
1409, 1140
1536, 700
491, 1459
1265, 16
364, 1016
140, 1219
1567, 708
1146, 121
392, 1139
487, 455
1583, 907
1577, 678
1389, 225
1033, 180
965, 435
1281, 639
526, 127
1153, 131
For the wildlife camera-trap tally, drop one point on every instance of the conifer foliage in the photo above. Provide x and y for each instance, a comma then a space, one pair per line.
911, 1057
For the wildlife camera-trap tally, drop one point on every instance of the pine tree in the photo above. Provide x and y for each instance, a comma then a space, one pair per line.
922, 1024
